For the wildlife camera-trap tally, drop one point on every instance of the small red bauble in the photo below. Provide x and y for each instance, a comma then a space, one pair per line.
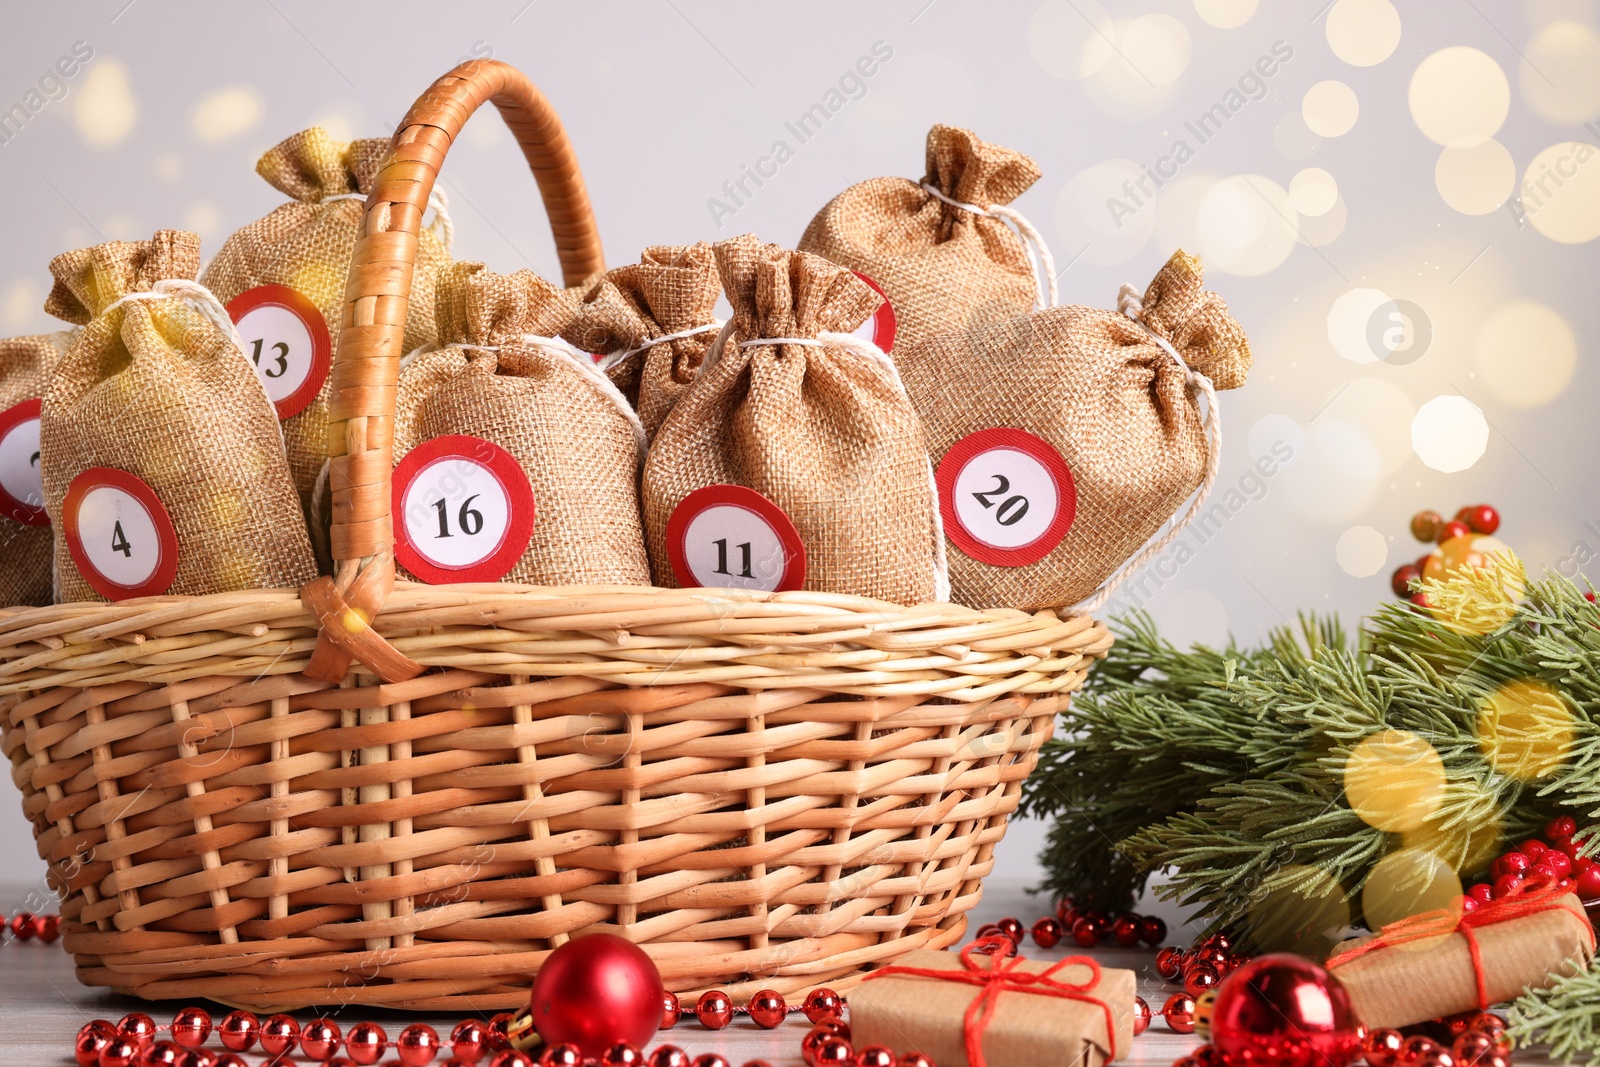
120, 1051
756, 1063
1281, 1010
1169, 963
137, 1027
1125, 930
1473, 1047
280, 1034
1179, 1013
1063, 906
190, 1057
499, 1025
875, 1056
709, 1059
1451, 530
595, 991
1152, 930
1425, 525
832, 1052
468, 1041
1414, 1048
913, 1059
22, 925
319, 1039
191, 1027
622, 1054
563, 1054
1086, 932
1483, 519
670, 1010
1141, 1016
417, 1045
1208, 1056
1400, 581
1047, 933
510, 1057
364, 1043
1381, 1047
714, 1009
1199, 978
767, 1008
238, 1030
92, 1040
668, 1056
1560, 826
822, 1005
163, 1054
47, 927
816, 1036
233, 1059
1012, 928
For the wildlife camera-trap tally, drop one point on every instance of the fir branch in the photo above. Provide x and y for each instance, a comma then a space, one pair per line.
1566, 1016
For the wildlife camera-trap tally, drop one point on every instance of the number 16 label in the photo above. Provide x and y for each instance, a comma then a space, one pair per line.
286, 340
1006, 496
732, 537
464, 510
119, 534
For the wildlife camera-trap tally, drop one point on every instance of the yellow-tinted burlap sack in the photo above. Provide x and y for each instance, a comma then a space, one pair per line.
944, 268
156, 387
503, 377
304, 246
25, 537
801, 430
1065, 439
652, 321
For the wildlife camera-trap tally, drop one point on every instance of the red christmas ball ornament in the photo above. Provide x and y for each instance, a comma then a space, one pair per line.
469, 1040
561, 1054
92, 1040
1282, 1010
191, 1027
832, 1052
319, 1039
1483, 518
1086, 932
417, 1045
1012, 928
499, 1031
238, 1030
1179, 1013
510, 1057
875, 1056
280, 1034
1169, 963
1125, 930
670, 1010
1414, 1048
1199, 978
162, 1054
1047, 933
364, 1043
709, 1059
594, 991
914, 1059
1451, 530
1152, 930
767, 1009
120, 1051
1141, 1016
823, 1005
622, 1054
233, 1059
1381, 1047
668, 1056
137, 1027
714, 1009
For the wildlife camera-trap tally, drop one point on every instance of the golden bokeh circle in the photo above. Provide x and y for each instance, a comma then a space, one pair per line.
1394, 781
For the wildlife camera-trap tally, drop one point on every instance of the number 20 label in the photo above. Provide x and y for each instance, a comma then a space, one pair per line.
119, 534
732, 537
1006, 496
286, 340
465, 510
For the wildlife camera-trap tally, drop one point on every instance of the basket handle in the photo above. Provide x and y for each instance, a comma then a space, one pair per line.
361, 395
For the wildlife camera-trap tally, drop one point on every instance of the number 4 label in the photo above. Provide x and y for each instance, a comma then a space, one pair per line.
463, 510
119, 534
1006, 496
732, 537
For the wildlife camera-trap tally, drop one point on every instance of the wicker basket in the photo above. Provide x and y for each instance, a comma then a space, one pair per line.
277, 798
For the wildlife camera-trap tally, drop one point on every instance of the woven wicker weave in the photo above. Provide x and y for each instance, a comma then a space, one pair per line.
406, 796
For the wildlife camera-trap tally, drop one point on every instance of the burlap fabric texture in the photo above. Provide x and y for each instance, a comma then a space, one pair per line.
944, 269
569, 429
155, 388
822, 432
671, 290
1098, 388
25, 549
306, 245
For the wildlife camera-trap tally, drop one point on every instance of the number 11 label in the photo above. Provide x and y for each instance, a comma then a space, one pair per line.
21, 490
1006, 496
732, 537
464, 510
286, 340
119, 534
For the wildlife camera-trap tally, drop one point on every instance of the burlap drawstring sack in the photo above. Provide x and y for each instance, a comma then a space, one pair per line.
26, 544
503, 375
157, 386
306, 245
940, 250
789, 405
652, 322
1094, 418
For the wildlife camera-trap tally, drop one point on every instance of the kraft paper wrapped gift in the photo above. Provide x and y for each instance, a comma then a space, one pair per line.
1423, 968
1026, 1029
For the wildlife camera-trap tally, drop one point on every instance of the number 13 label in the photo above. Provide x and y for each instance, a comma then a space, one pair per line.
732, 537
119, 534
465, 510
21, 491
286, 340
1006, 496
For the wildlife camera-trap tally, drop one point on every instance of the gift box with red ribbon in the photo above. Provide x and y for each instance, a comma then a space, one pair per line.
976, 1009
1454, 960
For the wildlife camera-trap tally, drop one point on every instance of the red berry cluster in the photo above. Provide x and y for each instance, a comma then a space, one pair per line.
1554, 860
1430, 527
26, 926
1471, 1039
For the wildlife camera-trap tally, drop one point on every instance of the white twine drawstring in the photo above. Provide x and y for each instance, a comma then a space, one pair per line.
1047, 294
607, 362
1128, 304
442, 227
586, 368
206, 303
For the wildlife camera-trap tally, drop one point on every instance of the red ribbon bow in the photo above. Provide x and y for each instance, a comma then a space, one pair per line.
1002, 975
1534, 896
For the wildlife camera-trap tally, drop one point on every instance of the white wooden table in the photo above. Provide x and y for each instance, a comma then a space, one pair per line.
42, 1005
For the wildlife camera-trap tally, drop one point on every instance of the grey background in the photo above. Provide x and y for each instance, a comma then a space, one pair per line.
666, 101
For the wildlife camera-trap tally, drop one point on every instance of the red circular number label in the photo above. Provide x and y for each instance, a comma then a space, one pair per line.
287, 341
880, 328
21, 491
119, 534
732, 537
463, 509
1006, 496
